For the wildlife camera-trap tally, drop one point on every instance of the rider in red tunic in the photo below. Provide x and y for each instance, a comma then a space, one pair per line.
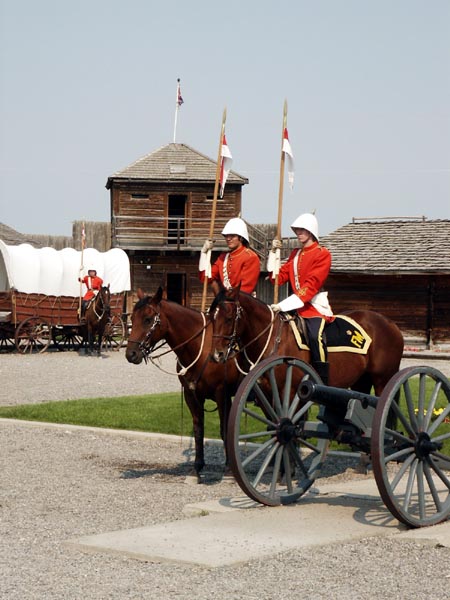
93, 284
306, 270
238, 266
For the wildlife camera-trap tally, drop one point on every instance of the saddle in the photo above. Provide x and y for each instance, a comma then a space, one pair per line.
343, 334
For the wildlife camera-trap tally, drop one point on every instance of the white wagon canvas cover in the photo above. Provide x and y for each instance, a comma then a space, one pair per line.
55, 272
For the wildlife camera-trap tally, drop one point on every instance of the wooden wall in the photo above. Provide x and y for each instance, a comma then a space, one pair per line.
418, 304
140, 213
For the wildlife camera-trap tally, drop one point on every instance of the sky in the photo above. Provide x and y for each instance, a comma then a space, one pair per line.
88, 87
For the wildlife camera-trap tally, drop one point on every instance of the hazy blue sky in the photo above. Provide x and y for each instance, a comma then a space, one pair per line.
87, 87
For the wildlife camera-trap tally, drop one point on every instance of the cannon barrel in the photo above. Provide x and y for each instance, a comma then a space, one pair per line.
333, 396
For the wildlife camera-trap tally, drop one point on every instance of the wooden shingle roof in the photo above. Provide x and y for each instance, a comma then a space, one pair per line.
174, 162
13, 238
393, 246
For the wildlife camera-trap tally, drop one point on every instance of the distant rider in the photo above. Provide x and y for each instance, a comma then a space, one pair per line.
93, 284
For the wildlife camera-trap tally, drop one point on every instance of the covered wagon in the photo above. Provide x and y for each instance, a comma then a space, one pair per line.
40, 295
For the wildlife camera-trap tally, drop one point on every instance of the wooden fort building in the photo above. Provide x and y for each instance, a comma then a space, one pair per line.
161, 208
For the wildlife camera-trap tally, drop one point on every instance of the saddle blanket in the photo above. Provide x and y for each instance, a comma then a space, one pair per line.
343, 334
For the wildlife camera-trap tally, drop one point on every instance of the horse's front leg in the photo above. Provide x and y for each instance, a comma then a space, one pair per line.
89, 345
223, 400
196, 407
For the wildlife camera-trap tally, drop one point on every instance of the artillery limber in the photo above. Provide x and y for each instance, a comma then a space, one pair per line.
283, 420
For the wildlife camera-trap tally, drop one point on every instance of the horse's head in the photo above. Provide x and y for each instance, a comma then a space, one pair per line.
104, 296
146, 326
225, 312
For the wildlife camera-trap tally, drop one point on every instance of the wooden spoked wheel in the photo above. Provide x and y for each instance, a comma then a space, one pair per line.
33, 335
411, 446
67, 338
275, 453
114, 335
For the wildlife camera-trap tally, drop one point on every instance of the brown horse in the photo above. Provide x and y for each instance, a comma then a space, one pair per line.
97, 315
189, 334
240, 320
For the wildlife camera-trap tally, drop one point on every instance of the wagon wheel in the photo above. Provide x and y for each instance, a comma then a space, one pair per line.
411, 459
33, 335
274, 452
114, 334
67, 338
6, 337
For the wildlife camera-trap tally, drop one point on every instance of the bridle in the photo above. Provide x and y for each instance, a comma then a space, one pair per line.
234, 345
233, 338
147, 347
105, 304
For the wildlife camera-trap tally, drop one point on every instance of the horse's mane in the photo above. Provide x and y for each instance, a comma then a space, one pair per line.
147, 300
224, 296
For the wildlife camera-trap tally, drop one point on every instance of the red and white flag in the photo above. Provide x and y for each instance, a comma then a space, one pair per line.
180, 100
225, 165
290, 157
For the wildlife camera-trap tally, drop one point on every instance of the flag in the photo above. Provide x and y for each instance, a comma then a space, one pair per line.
225, 165
83, 237
180, 100
290, 157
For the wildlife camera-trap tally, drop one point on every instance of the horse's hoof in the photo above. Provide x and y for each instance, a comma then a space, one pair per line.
193, 479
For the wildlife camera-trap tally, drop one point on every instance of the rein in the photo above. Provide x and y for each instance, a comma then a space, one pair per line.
146, 347
234, 340
106, 306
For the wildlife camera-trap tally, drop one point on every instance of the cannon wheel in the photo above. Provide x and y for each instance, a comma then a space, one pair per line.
33, 335
114, 334
411, 446
274, 452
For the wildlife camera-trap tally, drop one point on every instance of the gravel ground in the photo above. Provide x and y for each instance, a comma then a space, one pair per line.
62, 483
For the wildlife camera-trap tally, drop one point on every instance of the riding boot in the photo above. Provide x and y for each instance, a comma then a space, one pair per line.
323, 369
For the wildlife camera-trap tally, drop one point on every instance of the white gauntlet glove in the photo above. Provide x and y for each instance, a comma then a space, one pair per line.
207, 246
276, 245
274, 258
292, 302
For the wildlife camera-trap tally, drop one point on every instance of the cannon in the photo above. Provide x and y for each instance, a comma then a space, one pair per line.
283, 420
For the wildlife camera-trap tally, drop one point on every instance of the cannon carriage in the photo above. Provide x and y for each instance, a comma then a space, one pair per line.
40, 297
283, 420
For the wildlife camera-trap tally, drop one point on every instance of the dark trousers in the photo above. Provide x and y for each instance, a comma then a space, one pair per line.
84, 304
317, 339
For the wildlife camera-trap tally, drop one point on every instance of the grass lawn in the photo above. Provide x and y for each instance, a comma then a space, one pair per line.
159, 413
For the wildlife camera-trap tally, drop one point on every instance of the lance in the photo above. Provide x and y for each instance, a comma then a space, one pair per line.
83, 242
214, 206
280, 202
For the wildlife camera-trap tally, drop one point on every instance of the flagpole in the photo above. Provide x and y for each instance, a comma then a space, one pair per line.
177, 106
214, 204
280, 195
83, 241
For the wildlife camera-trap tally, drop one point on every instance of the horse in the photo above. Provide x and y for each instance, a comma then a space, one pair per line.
97, 315
188, 333
248, 324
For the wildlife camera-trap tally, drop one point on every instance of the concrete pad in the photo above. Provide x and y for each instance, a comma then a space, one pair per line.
438, 535
235, 530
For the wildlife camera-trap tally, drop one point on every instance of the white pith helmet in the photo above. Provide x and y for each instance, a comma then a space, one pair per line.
91, 268
307, 221
236, 226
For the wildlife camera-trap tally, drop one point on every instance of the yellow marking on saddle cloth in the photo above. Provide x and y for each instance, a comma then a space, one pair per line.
298, 338
358, 343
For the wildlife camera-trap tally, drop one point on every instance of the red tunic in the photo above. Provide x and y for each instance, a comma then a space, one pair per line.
313, 266
242, 266
92, 283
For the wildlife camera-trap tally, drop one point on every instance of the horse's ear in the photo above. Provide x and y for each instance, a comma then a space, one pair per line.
140, 293
158, 296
